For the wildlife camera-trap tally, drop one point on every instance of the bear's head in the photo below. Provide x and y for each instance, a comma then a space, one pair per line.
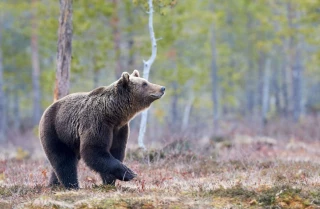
142, 93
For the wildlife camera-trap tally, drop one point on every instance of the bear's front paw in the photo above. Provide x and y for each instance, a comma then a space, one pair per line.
124, 173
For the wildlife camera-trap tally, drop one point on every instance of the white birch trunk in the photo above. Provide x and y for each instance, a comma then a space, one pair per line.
146, 70
186, 113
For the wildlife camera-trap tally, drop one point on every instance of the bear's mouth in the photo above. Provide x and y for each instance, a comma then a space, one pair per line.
156, 96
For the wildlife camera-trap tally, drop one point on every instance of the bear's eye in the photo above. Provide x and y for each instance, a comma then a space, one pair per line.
144, 84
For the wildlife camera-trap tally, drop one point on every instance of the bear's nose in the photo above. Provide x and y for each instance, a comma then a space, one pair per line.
163, 88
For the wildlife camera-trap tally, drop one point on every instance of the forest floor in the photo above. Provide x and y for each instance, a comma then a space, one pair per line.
243, 172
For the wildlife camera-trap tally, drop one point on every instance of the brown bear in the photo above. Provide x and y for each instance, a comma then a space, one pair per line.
94, 126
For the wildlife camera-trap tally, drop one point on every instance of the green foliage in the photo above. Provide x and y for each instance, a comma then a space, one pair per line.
161, 6
246, 33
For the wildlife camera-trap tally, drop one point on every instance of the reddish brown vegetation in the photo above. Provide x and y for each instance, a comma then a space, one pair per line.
241, 168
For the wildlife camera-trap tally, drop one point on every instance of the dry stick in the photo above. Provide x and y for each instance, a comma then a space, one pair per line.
146, 70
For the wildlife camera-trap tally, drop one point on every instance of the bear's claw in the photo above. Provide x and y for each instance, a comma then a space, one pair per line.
124, 173
129, 175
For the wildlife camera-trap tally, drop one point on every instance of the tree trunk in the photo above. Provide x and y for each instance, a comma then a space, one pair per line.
174, 98
2, 96
96, 75
96, 72
131, 53
265, 93
260, 79
64, 50
214, 79
290, 58
232, 63
250, 101
16, 110
249, 94
297, 74
284, 85
146, 70
116, 38
174, 107
297, 85
35, 68
186, 113
276, 87
130, 15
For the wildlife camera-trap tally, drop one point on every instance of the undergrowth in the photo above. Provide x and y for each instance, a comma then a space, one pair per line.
237, 176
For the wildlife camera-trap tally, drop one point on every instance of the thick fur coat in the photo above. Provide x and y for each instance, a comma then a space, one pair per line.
94, 126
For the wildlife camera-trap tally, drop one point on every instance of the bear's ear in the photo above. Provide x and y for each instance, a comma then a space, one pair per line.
135, 73
125, 78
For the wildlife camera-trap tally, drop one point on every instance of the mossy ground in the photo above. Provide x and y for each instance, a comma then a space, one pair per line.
237, 176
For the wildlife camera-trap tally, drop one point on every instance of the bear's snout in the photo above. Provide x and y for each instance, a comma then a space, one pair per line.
163, 89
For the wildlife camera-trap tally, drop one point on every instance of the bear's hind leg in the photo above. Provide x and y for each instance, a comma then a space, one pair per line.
64, 163
66, 169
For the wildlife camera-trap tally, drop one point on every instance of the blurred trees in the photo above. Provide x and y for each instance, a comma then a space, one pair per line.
35, 65
2, 96
64, 50
262, 57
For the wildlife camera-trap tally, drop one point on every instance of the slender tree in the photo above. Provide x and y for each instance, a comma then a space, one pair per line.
214, 78
296, 61
16, 109
250, 101
131, 14
174, 100
64, 50
146, 69
2, 96
266, 91
96, 73
187, 108
35, 66
284, 80
115, 21
297, 78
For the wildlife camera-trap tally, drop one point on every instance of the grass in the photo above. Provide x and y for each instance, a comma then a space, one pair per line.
242, 175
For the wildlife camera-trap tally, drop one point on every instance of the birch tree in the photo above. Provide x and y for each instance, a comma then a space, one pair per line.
146, 69
64, 50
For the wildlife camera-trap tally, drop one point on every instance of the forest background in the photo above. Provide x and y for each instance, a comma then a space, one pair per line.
238, 126
223, 62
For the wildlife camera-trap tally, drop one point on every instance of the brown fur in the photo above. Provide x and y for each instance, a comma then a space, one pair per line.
94, 126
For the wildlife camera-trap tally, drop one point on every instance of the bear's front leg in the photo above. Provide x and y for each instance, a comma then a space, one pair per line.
54, 181
119, 142
117, 150
94, 151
